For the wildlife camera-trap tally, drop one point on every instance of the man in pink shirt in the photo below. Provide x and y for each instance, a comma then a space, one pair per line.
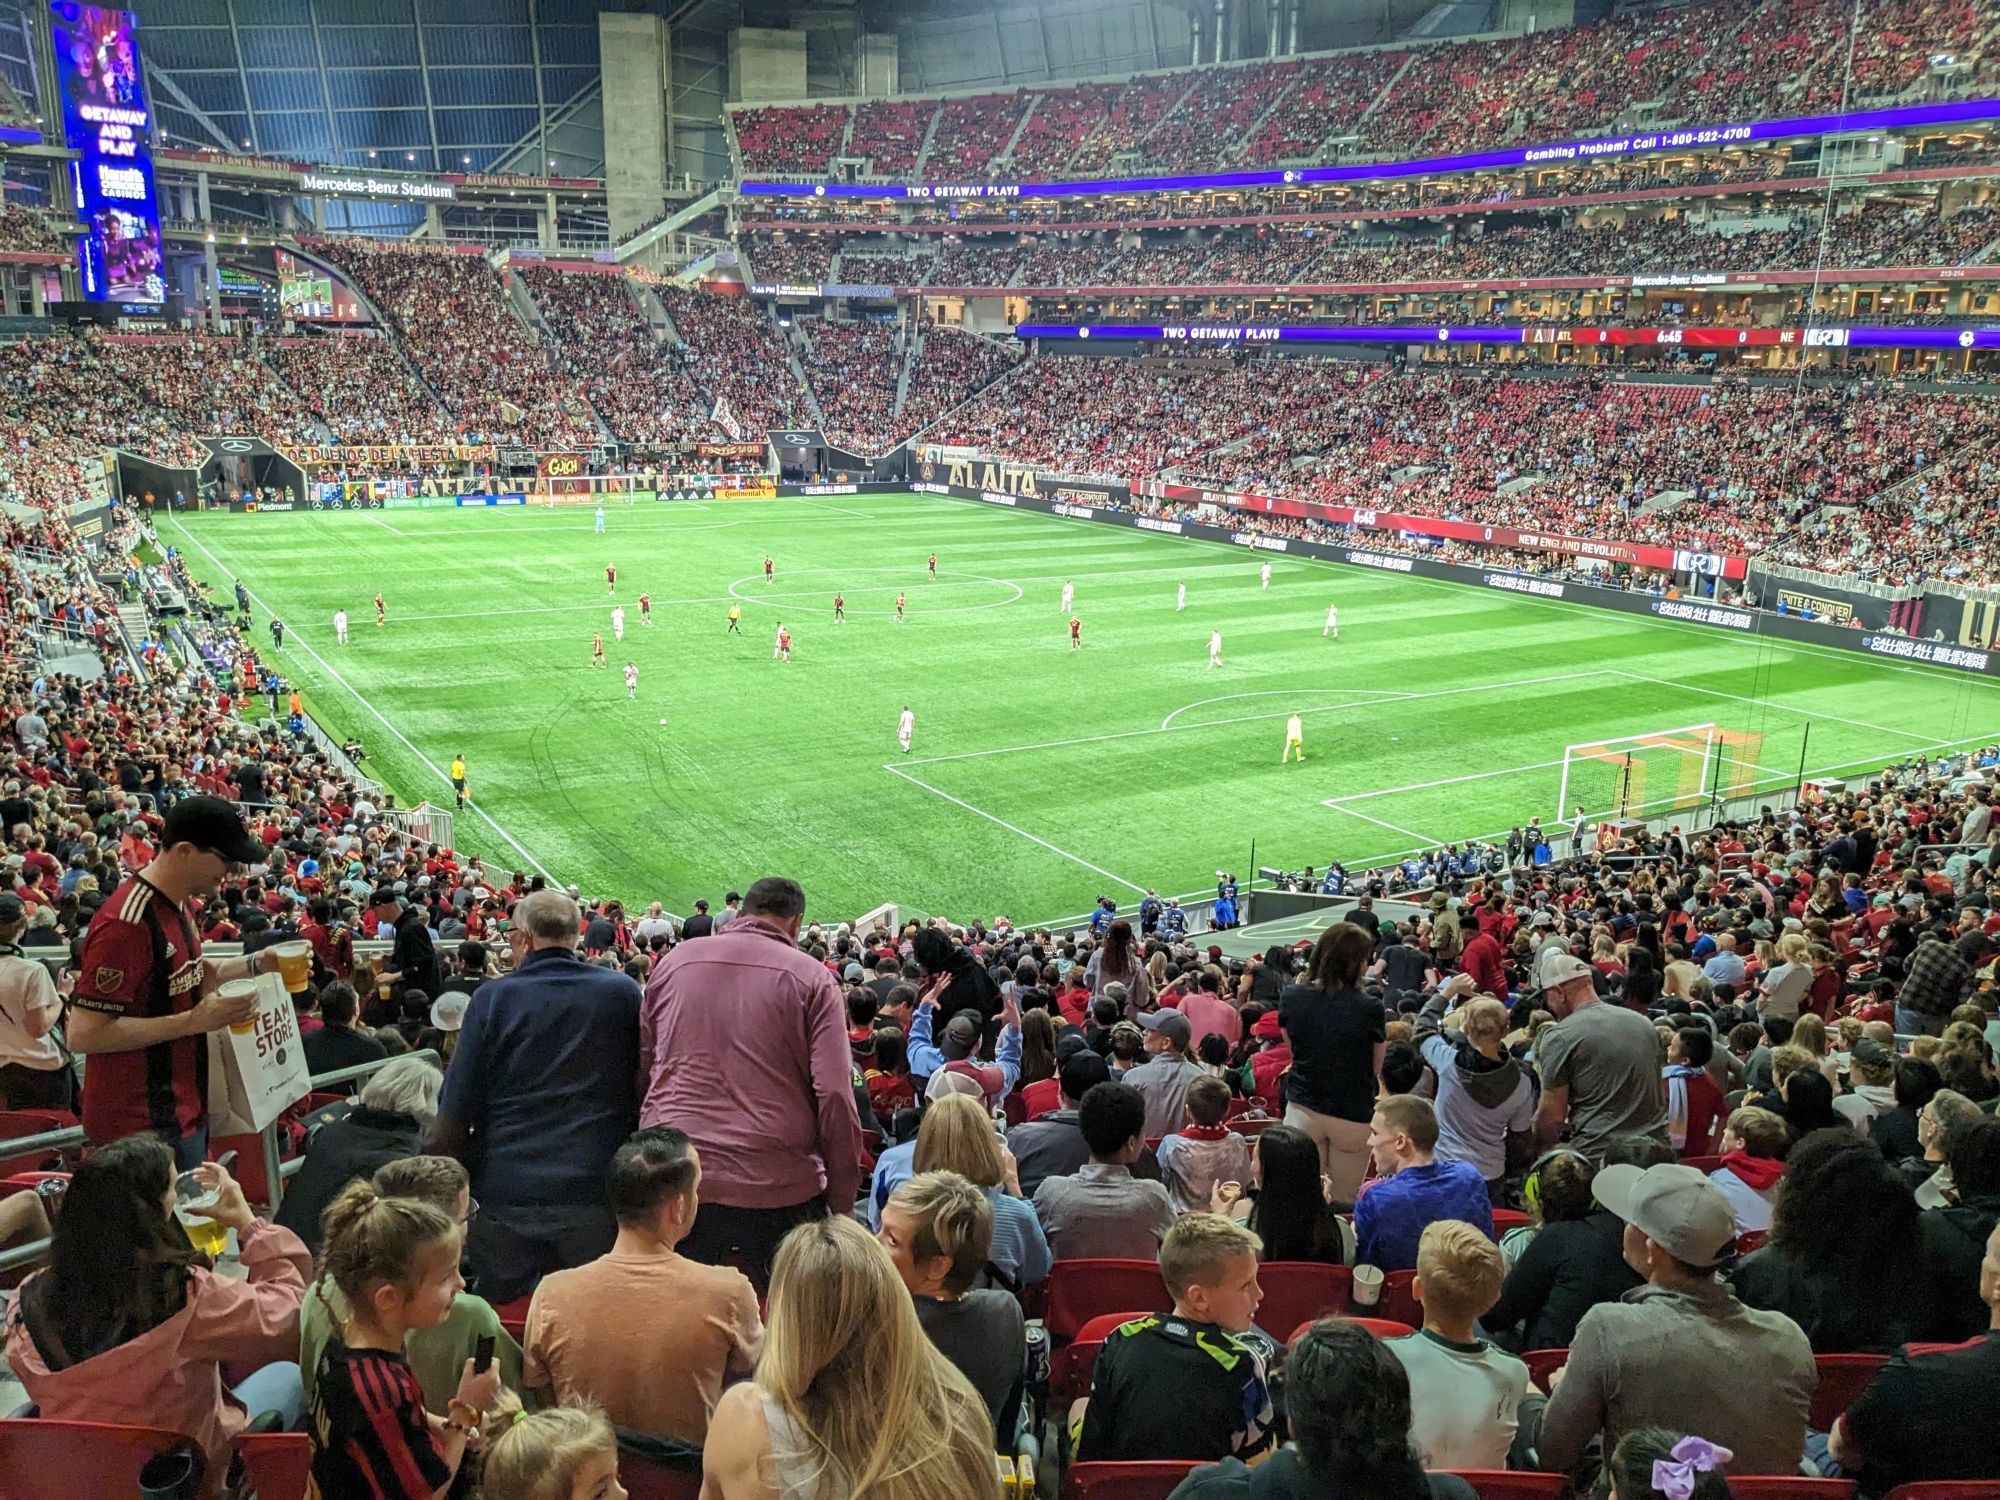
1207, 1011
743, 1041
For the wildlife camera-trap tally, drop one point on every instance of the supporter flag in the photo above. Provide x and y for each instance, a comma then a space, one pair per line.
509, 412
724, 418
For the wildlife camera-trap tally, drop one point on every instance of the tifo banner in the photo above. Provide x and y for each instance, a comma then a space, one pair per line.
562, 465
394, 455
1016, 479
729, 450
1669, 559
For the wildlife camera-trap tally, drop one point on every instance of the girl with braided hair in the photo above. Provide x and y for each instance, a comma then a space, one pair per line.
395, 1261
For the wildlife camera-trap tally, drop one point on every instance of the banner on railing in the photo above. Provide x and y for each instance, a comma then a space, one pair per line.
400, 455
1636, 554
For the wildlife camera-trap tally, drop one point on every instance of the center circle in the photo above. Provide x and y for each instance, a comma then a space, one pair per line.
782, 599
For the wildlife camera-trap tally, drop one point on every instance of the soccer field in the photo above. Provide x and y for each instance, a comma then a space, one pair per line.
1040, 776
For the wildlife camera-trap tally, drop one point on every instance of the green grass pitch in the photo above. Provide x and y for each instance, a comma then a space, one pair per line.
1040, 776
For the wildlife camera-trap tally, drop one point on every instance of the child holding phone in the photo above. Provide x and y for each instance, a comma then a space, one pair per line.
395, 1261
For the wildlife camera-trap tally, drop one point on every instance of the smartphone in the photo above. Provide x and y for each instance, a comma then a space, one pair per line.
482, 1355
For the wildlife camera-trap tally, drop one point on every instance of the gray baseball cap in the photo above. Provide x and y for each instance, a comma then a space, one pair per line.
1674, 1206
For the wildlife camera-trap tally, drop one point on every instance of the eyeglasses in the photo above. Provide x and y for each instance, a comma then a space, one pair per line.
471, 1210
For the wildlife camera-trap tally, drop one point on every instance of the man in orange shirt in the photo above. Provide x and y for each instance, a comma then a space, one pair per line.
643, 1332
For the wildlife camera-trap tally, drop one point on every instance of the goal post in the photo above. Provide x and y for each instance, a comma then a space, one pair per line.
1658, 774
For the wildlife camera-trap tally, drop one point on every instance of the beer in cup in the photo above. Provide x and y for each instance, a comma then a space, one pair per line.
230, 991
294, 963
205, 1235
1367, 1285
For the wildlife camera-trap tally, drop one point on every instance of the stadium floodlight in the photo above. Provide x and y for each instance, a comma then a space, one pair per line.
1657, 774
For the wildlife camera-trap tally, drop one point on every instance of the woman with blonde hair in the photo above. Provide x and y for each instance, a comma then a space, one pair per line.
957, 1135
851, 1398
1783, 986
563, 1453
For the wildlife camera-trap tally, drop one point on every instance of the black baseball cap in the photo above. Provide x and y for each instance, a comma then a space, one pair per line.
210, 823
12, 908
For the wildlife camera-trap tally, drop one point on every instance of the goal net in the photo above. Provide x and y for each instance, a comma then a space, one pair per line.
1662, 773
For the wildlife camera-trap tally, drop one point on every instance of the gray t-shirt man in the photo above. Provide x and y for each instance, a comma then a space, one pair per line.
1609, 1060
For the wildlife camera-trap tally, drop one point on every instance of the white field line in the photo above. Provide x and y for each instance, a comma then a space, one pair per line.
385, 526
1481, 838
328, 667
1803, 713
1348, 571
1167, 722
1424, 786
843, 510
1330, 708
891, 766
1430, 843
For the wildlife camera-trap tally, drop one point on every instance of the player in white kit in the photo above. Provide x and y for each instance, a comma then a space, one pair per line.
1180, 597
1332, 622
1295, 739
1215, 648
1069, 595
340, 626
778, 641
1267, 575
631, 680
618, 622
905, 727
600, 518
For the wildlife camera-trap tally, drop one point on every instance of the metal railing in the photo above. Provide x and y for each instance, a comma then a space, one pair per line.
276, 1170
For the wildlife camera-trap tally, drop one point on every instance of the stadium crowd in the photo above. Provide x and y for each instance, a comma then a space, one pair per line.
1730, 466
452, 318
854, 370
734, 353
1709, 63
1733, 1075
637, 385
357, 387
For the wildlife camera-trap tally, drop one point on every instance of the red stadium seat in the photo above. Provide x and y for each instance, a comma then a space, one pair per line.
276, 1464
514, 1317
1300, 1291
1250, 1127
1542, 1363
1789, 1487
1751, 1239
1070, 1366
1842, 1377
1505, 1219
1079, 1290
1947, 1489
42, 1459
1152, 1480
1399, 1299
1506, 1484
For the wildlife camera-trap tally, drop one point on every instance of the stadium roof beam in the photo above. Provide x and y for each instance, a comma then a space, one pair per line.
424, 74
193, 111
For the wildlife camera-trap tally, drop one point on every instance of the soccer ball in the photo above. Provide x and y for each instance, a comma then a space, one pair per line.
663, 721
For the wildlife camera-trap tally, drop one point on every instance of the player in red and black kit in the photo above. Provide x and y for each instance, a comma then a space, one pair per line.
610, 578
597, 649
380, 611
933, 567
1075, 633
840, 609
767, 568
145, 999
645, 609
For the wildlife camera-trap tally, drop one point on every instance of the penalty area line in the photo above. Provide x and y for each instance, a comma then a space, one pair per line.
1076, 859
1426, 839
327, 666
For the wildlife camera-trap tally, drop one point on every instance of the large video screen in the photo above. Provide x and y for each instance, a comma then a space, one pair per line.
106, 122
313, 294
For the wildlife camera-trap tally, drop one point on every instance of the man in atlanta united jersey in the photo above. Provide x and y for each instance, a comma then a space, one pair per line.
645, 609
145, 997
611, 578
